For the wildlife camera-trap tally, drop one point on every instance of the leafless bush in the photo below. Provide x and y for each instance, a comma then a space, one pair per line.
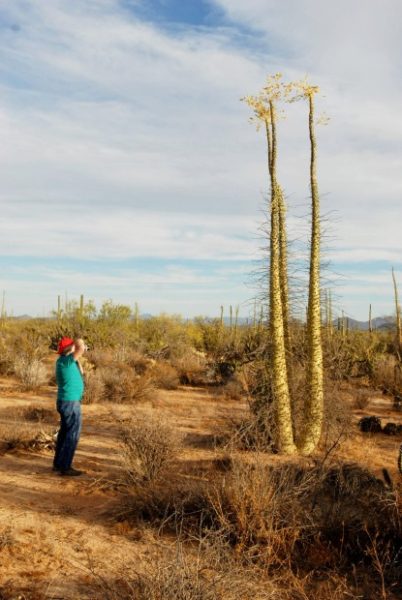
232, 390
386, 374
100, 357
261, 510
30, 371
191, 368
362, 398
254, 432
123, 386
95, 387
140, 363
148, 448
337, 423
206, 570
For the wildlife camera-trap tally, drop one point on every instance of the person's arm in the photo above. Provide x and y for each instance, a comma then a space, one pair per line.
80, 348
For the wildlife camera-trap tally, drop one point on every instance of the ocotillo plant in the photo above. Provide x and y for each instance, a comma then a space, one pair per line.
314, 404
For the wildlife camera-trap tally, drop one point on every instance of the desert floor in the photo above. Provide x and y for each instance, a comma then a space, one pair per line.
59, 534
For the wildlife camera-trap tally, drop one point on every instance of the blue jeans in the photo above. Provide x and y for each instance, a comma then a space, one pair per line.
69, 434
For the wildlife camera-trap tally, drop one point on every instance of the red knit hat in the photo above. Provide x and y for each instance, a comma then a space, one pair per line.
64, 343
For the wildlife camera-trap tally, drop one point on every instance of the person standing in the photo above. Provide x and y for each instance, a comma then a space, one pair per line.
70, 389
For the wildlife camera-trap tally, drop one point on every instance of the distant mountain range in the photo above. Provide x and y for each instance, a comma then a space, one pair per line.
378, 323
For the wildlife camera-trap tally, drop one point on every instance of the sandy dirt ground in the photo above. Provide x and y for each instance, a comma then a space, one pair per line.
58, 531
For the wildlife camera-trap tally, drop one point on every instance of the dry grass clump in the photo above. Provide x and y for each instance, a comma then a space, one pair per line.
30, 371
95, 388
15, 436
122, 385
191, 368
204, 570
149, 447
35, 591
290, 518
338, 422
38, 414
7, 538
254, 433
165, 376
362, 398
117, 383
232, 390
177, 579
386, 374
140, 363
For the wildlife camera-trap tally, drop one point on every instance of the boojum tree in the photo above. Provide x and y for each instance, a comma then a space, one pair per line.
314, 402
398, 336
265, 113
264, 107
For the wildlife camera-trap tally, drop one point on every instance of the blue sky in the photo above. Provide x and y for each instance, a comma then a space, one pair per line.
129, 170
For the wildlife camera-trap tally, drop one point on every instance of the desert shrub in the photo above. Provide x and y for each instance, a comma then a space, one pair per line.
386, 374
95, 388
165, 376
362, 398
24, 351
16, 436
191, 368
7, 538
140, 363
232, 390
206, 570
178, 579
261, 510
122, 385
149, 447
100, 357
5, 356
38, 414
164, 336
351, 355
337, 422
253, 432
30, 371
285, 518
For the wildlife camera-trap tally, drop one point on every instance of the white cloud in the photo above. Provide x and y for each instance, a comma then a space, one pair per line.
126, 140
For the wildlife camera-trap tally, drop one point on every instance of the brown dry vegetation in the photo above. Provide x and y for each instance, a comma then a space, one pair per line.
183, 497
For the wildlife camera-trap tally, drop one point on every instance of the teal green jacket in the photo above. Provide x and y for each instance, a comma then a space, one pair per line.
70, 384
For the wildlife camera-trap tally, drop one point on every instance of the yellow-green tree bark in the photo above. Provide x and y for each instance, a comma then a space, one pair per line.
279, 367
314, 403
398, 337
264, 112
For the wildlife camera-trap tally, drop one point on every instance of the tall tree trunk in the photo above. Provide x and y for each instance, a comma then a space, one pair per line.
398, 338
279, 369
283, 267
314, 405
